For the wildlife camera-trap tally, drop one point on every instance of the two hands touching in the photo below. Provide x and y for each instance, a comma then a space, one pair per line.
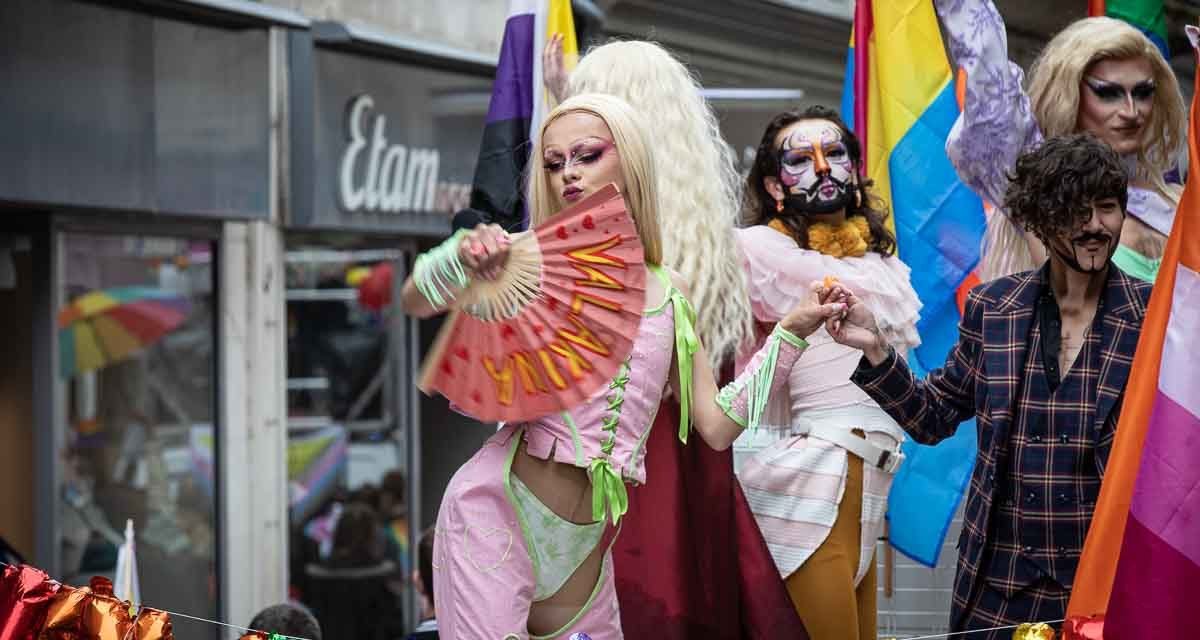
845, 316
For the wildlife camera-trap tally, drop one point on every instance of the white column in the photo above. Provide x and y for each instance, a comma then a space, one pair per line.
253, 435
253, 428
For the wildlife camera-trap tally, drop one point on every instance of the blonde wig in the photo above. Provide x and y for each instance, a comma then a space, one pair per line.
637, 167
1054, 80
1055, 77
698, 182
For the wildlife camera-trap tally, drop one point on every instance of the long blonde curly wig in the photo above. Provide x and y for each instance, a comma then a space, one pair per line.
1054, 85
698, 183
1055, 77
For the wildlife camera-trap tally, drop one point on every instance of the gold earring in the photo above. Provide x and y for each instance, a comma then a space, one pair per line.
779, 206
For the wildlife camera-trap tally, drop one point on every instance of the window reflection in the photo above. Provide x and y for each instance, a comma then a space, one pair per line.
136, 345
347, 494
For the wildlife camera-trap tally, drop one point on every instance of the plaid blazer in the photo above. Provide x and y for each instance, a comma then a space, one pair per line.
982, 377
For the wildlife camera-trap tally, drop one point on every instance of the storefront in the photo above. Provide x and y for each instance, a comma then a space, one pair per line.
138, 181
384, 136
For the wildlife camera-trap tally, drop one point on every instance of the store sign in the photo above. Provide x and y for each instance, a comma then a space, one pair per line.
380, 146
376, 175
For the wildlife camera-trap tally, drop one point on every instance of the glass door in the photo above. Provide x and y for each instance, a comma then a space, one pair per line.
136, 336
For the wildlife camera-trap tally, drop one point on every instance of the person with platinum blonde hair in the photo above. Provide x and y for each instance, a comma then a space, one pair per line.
697, 177
1098, 75
696, 579
526, 526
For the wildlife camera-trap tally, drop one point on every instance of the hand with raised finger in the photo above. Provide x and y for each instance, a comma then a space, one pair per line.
857, 328
554, 70
810, 313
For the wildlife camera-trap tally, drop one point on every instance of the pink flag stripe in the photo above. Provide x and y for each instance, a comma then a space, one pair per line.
1155, 591
1166, 498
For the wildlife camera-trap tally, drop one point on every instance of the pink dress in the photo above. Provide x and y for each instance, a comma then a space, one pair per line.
485, 573
794, 483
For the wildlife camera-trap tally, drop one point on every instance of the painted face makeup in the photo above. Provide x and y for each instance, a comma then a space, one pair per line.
1090, 247
1116, 102
583, 153
815, 168
579, 157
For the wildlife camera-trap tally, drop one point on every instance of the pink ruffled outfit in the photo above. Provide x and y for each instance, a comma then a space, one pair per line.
793, 481
485, 574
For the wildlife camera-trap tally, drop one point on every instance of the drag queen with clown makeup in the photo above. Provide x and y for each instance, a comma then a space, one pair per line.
1099, 75
525, 528
819, 486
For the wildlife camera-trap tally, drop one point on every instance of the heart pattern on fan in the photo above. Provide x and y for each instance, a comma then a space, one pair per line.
553, 328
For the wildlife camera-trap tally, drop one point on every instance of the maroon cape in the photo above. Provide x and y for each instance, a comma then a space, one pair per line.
690, 560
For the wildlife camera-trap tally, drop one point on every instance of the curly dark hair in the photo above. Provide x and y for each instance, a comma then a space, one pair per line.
1051, 189
758, 207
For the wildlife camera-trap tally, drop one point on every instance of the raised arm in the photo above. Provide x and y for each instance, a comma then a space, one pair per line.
996, 122
720, 415
442, 272
930, 410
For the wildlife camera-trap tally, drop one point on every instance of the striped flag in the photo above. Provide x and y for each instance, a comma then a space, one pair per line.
515, 112
899, 97
1141, 561
1147, 15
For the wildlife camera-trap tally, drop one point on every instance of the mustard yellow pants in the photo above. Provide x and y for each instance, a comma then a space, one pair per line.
823, 590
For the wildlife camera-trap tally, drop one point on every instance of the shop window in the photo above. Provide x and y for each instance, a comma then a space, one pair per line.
136, 357
347, 491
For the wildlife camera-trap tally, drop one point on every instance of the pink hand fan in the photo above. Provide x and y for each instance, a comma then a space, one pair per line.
553, 329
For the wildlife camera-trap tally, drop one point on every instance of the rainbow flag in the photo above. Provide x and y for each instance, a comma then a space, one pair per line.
1141, 561
515, 112
1147, 15
899, 98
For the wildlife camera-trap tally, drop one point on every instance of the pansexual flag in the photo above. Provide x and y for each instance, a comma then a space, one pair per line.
1141, 561
515, 112
899, 97
1147, 15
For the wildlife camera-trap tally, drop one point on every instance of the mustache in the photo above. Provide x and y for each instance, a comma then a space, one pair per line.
1088, 237
812, 191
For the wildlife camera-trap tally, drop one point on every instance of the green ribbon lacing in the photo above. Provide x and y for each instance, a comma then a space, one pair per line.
608, 491
757, 384
608, 488
686, 344
437, 273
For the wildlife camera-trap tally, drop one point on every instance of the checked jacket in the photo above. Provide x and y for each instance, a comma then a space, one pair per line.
983, 377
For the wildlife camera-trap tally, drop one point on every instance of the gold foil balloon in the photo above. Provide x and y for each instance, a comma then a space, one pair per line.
65, 614
152, 624
1034, 631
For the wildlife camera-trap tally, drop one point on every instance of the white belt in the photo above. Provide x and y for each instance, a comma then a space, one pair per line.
883, 459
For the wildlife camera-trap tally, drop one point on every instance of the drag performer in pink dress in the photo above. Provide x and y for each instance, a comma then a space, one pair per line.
525, 528
819, 486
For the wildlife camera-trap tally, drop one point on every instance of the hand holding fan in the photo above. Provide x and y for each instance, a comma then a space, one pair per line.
554, 327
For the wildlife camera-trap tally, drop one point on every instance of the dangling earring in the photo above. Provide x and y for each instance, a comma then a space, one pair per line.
857, 198
779, 206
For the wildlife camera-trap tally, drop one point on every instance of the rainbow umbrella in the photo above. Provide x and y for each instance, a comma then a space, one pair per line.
105, 326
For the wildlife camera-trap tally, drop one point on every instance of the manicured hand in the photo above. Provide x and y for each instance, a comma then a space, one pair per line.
855, 327
484, 251
808, 316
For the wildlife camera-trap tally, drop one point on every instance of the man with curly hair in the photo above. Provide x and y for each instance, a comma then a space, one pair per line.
1041, 363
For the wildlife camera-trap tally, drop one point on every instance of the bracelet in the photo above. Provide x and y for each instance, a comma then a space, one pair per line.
438, 273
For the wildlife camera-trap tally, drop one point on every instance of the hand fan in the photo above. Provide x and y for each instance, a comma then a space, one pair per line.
554, 327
